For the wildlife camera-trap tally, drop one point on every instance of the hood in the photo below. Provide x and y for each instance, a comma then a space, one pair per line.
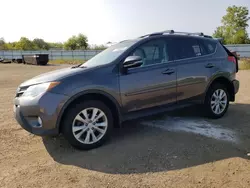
53, 76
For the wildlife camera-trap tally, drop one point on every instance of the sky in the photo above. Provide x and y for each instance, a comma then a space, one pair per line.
108, 20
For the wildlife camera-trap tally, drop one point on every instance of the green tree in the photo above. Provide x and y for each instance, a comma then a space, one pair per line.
24, 44
76, 42
71, 43
2, 44
55, 45
40, 44
11, 46
82, 41
98, 47
219, 32
234, 26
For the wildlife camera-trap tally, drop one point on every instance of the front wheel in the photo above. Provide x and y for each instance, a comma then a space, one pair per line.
217, 101
88, 125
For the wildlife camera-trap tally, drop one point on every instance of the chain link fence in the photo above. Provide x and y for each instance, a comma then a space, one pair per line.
53, 54
242, 49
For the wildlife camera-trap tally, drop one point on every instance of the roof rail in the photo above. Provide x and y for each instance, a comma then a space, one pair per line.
157, 33
187, 33
175, 32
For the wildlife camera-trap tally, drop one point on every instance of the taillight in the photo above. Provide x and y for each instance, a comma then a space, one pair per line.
231, 59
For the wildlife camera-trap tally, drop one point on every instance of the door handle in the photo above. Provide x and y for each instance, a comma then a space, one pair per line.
209, 65
168, 71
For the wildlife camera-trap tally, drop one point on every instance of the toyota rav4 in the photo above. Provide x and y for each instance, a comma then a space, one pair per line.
130, 79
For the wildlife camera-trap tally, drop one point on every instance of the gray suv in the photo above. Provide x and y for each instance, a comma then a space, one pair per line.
133, 78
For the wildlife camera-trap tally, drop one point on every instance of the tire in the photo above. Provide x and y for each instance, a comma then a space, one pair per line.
211, 103
98, 133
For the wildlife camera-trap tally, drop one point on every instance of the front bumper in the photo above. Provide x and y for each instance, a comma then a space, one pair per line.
28, 111
31, 127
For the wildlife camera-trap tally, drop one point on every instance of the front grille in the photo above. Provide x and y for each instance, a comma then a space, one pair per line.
20, 91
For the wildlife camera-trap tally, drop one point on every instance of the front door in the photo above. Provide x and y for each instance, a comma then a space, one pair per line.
152, 84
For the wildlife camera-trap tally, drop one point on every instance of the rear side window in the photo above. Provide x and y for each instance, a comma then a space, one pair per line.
208, 46
186, 48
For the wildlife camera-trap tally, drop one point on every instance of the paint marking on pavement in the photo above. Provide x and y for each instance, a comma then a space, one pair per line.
192, 125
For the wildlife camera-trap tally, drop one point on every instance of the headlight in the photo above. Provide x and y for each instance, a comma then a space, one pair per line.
38, 89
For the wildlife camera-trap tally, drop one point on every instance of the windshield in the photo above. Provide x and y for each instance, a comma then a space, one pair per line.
109, 55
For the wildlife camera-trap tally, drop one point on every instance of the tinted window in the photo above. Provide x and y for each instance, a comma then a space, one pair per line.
152, 52
196, 49
208, 46
186, 48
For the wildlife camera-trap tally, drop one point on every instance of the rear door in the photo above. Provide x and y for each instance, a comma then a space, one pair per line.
152, 84
195, 66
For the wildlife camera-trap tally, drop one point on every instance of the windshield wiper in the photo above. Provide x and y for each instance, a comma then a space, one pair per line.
78, 66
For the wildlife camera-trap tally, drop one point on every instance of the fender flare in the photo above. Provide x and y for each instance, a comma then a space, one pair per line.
212, 81
82, 93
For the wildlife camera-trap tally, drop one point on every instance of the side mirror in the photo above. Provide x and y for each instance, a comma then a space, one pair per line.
132, 61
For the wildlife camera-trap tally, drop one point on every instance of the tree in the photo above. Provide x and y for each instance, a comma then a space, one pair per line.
76, 42
82, 41
11, 45
40, 44
219, 33
24, 44
234, 26
2, 44
98, 47
71, 43
55, 45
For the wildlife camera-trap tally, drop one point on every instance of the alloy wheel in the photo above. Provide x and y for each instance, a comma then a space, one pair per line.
219, 101
90, 125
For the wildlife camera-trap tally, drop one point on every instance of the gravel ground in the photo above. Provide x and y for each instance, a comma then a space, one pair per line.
178, 149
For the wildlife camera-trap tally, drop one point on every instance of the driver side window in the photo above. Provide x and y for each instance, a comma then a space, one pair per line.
152, 52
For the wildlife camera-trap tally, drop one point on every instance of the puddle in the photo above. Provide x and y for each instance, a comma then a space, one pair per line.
195, 126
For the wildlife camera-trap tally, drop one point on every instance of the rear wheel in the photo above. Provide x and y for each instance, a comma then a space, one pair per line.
88, 125
217, 101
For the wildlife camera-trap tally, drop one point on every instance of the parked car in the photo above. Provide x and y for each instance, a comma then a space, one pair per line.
133, 78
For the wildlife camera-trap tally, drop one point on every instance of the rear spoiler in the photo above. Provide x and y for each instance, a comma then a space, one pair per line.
219, 39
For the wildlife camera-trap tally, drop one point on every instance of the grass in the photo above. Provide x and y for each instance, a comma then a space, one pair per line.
68, 61
244, 64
